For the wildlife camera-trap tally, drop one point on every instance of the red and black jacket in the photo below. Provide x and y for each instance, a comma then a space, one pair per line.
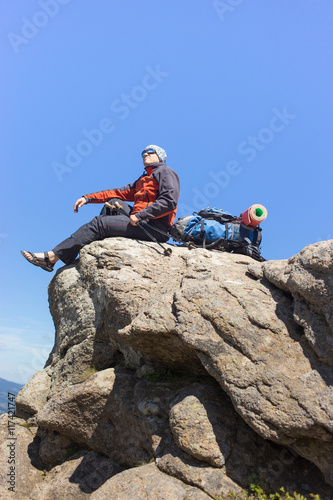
155, 194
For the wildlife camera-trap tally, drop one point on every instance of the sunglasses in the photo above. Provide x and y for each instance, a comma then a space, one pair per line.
149, 151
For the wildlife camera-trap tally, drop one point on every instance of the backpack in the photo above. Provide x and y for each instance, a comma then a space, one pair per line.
213, 228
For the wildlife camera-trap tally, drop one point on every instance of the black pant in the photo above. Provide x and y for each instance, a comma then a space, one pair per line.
109, 223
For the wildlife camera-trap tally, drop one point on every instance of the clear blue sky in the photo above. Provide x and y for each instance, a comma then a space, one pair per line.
238, 92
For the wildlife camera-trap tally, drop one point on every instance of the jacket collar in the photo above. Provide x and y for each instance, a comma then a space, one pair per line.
152, 167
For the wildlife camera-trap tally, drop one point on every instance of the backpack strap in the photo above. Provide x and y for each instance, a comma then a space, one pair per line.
202, 230
188, 236
226, 232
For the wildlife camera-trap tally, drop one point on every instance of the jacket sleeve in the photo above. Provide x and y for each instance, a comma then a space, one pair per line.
168, 195
125, 193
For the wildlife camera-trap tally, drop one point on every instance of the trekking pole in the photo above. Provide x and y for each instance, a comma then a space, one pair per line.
118, 207
189, 244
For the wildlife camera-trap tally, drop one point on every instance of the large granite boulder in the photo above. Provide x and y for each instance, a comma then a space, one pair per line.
213, 365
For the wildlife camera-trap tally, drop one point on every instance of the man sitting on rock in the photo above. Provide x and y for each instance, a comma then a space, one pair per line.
155, 195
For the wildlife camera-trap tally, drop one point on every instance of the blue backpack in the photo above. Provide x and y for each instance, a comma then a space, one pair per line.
213, 228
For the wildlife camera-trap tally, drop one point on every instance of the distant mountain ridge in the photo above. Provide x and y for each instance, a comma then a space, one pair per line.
7, 386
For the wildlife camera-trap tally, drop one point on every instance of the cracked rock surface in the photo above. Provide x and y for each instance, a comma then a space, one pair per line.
212, 365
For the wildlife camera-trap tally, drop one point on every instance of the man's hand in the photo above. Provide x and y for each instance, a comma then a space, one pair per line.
79, 203
134, 220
